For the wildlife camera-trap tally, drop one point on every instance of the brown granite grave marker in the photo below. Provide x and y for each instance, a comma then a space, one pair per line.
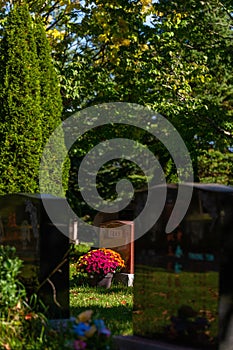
119, 236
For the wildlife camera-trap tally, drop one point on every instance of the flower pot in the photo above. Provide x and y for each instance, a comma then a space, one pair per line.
106, 281
98, 281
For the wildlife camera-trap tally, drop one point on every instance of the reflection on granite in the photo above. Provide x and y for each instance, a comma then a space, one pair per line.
25, 224
180, 277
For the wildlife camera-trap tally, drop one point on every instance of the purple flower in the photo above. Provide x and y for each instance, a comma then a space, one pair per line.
100, 325
106, 332
79, 345
100, 261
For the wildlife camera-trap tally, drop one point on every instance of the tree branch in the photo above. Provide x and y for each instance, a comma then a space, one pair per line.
227, 12
64, 260
219, 129
54, 292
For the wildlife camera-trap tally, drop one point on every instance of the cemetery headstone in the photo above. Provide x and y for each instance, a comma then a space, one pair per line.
184, 279
119, 234
25, 225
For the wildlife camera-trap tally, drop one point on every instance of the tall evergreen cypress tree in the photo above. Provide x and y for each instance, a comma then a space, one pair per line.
51, 101
20, 114
51, 104
30, 101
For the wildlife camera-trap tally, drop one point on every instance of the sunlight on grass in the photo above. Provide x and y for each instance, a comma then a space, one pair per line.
114, 305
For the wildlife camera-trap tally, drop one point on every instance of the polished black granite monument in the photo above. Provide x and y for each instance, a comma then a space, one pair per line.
183, 289
24, 224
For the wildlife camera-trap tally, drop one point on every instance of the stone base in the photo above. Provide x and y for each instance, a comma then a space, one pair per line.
139, 343
124, 278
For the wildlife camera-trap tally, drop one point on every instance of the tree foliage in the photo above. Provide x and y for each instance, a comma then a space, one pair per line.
179, 65
30, 101
216, 167
21, 116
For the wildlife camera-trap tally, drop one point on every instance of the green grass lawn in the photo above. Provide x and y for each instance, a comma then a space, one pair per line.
148, 307
159, 294
114, 305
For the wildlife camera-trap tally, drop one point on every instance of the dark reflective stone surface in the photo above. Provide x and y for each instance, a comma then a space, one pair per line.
183, 278
25, 224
